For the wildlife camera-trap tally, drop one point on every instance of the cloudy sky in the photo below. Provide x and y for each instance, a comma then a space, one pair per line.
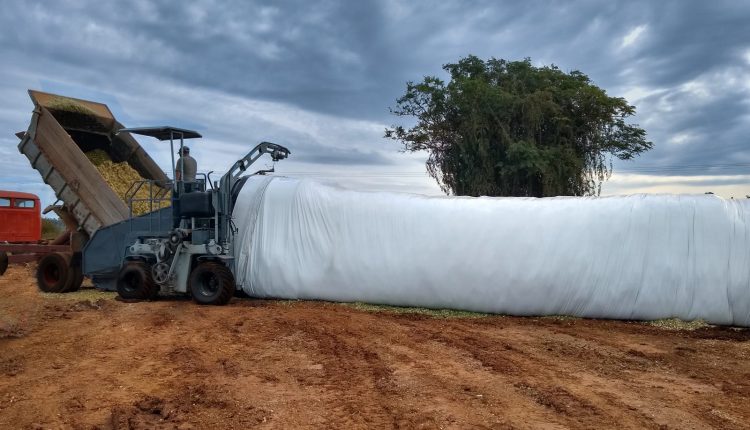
318, 77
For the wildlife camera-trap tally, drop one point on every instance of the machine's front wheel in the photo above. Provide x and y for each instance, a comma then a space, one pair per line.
135, 282
53, 273
211, 283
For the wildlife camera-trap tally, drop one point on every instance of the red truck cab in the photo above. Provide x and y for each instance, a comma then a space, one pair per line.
20, 217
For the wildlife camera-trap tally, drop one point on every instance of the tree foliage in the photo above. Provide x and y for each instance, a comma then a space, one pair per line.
508, 128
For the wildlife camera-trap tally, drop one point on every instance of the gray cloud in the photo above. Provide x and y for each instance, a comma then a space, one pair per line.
320, 76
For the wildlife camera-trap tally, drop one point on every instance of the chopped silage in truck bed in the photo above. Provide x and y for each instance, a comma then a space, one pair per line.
120, 177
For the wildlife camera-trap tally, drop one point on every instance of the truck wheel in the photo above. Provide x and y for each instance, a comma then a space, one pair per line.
135, 282
211, 284
3, 262
53, 273
77, 279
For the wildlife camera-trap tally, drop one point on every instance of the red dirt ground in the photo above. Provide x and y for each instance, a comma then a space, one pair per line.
86, 361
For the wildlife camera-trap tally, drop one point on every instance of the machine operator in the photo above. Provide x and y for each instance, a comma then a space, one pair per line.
188, 166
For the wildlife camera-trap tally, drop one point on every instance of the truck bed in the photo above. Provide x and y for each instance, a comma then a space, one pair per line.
61, 130
65, 168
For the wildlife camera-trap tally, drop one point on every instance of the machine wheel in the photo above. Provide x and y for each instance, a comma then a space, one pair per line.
53, 273
211, 283
241, 294
3, 262
135, 282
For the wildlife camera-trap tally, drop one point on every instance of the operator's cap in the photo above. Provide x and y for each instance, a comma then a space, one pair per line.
185, 150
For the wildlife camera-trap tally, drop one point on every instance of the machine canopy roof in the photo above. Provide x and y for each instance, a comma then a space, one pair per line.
163, 133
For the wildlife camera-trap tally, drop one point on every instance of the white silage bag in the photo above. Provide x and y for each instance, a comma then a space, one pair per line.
626, 257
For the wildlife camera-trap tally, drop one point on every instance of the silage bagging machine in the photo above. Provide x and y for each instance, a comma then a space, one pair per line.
184, 241
184, 248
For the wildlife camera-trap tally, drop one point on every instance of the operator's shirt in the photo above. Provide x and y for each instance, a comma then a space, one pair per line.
190, 168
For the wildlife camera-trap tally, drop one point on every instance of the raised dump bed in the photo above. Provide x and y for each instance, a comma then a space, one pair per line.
64, 136
61, 131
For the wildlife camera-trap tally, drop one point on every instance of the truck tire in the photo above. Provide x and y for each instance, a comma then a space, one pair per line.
134, 282
3, 262
211, 283
77, 279
53, 273
76, 274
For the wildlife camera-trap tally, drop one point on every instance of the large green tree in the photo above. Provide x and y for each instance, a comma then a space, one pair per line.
508, 128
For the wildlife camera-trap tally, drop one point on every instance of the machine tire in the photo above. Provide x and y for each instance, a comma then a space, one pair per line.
3, 262
211, 283
241, 294
134, 282
53, 273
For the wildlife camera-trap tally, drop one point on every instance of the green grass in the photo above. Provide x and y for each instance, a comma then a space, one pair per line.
678, 324
91, 294
435, 313
561, 317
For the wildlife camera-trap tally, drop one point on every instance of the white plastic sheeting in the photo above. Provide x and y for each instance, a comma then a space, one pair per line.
627, 257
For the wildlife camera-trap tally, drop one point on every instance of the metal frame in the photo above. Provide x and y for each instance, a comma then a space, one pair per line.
161, 134
28, 252
158, 198
227, 182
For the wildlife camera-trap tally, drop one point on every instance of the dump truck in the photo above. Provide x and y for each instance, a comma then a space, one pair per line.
61, 132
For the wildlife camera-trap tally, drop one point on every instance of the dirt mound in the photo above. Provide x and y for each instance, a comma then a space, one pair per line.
95, 362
